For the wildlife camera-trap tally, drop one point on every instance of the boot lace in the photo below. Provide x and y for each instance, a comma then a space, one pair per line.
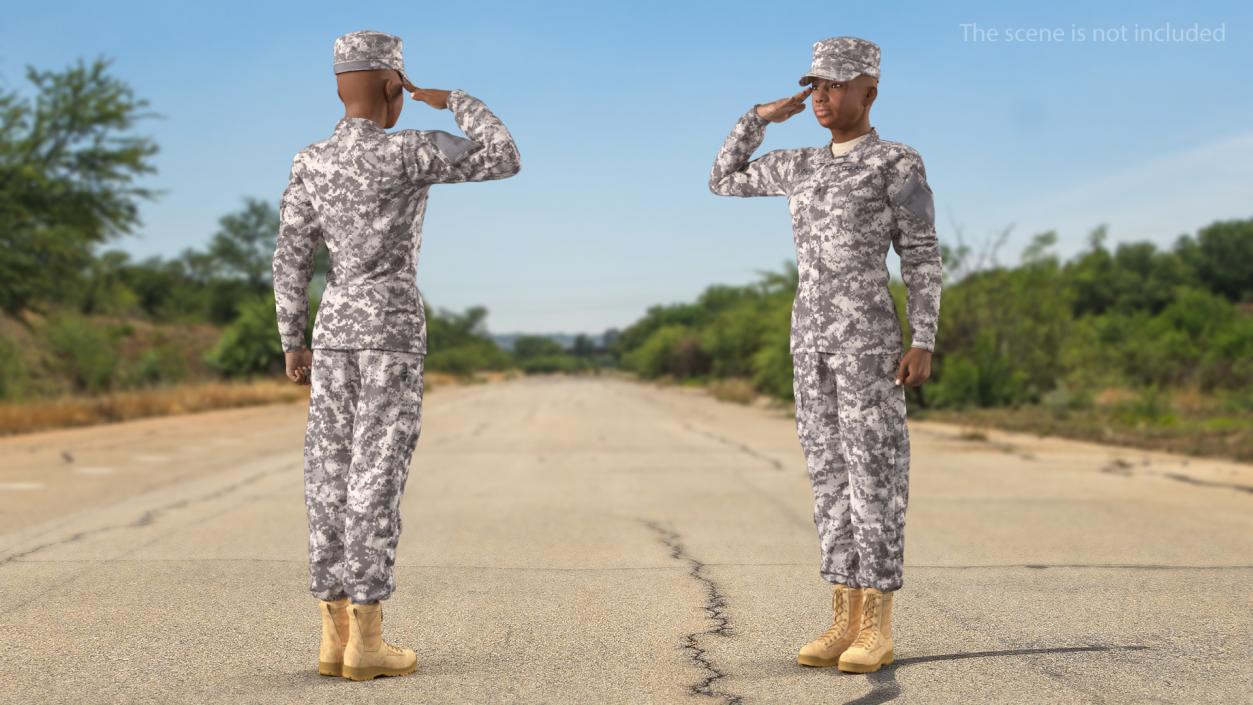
390, 647
840, 625
386, 644
869, 633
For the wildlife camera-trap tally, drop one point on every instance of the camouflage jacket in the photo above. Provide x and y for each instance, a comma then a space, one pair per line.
363, 192
845, 212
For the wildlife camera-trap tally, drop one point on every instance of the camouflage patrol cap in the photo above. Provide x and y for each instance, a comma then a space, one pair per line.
843, 59
366, 49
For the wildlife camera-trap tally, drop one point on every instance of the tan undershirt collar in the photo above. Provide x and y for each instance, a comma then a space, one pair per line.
842, 148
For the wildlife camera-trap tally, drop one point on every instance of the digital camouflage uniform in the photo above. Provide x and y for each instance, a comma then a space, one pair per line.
846, 338
363, 192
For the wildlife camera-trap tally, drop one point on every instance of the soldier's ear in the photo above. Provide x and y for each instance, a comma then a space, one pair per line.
391, 88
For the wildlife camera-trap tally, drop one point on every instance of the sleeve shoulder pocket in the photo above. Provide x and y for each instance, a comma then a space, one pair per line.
911, 193
450, 147
916, 198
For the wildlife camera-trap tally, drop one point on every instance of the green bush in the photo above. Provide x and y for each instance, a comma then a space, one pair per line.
467, 358
984, 376
1063, 399
250, 344
160, 364
734, 336
84, 353
13, 373
1150, 406
772, 363
528, 346
1227, 362
670, 350
544, 364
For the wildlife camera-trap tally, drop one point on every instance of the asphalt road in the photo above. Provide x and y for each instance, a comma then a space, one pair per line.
603, 541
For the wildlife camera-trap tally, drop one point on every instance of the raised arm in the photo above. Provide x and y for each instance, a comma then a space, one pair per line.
914, 239
770, 175
292, 266
734, 175
487, 152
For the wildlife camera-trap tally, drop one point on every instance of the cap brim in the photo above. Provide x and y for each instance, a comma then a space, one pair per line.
405, 82
370, 65
809, 78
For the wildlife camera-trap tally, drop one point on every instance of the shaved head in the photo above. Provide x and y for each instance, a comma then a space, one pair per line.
365, 86
378, 94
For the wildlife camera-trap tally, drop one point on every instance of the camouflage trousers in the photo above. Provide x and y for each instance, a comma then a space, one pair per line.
365, 415
850, 416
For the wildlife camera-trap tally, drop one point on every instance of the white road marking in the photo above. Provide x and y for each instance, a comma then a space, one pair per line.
93, 470
19, 486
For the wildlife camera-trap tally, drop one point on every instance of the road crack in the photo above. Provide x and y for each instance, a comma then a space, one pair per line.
715, 607
742, 447
146, 519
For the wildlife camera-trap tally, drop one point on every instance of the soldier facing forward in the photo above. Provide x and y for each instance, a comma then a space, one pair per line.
849, 200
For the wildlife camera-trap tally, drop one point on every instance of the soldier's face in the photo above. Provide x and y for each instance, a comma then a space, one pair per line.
841, 103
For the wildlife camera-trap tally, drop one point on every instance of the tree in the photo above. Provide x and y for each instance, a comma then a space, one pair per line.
1222, 256
66, 169
528, 346
583, 346
105, 288
449, 329
243, 247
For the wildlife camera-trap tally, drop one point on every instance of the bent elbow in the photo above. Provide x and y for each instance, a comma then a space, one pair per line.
508, 164
716, 186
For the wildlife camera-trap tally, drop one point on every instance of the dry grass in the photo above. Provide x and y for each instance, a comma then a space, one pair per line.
736, 390
1229, 436
1113, 396
66, 412
1191, 402
71, 411
973, 434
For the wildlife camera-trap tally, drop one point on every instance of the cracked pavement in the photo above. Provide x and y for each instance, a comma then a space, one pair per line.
595, 540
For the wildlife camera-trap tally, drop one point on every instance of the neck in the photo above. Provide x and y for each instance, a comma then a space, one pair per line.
376, 113
844, 134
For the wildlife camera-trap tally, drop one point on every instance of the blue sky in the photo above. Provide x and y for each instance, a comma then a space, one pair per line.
618, 110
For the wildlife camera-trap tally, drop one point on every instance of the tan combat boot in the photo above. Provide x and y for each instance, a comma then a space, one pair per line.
873, 646
368, 656
825, 650
334, 636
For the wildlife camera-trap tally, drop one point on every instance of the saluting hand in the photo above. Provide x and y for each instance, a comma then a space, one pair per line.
784, 108
433, 97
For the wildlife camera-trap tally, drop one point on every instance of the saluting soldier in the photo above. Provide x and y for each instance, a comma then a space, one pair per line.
363, 192
850, 199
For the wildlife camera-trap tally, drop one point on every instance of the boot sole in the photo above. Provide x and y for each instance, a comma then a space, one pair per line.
847, 667
816, 662
328, 668
366, 673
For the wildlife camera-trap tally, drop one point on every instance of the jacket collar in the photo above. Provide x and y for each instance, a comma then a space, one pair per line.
358, 123
857, 151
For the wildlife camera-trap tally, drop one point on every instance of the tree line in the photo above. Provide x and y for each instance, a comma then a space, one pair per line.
81, 317
1133, 317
